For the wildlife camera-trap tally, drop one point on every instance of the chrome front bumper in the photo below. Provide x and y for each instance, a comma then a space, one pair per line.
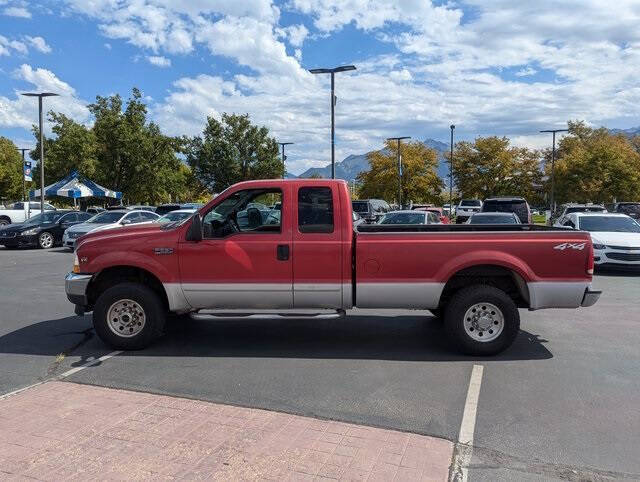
590, 297
75, 285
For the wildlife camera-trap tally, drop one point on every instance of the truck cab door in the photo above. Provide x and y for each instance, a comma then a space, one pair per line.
317, 248
244, 259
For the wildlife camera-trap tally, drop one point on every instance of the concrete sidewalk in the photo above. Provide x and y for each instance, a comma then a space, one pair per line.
65, 431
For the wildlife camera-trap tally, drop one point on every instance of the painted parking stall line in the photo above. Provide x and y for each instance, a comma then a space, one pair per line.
66, 374
464, 446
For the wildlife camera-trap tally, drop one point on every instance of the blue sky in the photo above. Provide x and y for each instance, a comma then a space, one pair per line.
490, 66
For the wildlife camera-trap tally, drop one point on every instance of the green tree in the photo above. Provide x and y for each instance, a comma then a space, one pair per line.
489, 166
232, 150
420, 183
133, 155
73, 149
10, 170
595, 165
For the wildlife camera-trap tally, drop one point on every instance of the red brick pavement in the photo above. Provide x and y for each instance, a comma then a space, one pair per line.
65, 431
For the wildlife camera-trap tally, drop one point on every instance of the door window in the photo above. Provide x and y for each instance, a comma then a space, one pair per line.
248, 211
315, 210
148, 216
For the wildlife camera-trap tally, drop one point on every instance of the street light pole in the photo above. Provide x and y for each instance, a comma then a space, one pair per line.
553, 166
24, 192
284, 158
333, 71
399, 159
40, 95
452, 127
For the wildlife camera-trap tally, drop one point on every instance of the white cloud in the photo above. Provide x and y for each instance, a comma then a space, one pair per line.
21, 111
296, 34
7, 46
20, 12
159, 61
525, 72
107, 45
39, 44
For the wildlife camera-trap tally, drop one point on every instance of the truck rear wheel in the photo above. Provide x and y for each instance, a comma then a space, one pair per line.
481, 320
129, 316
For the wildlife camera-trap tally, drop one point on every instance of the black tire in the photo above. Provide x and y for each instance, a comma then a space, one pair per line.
151, 305
463, 300
4, 221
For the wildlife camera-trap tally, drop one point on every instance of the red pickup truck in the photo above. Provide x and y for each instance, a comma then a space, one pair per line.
289, 248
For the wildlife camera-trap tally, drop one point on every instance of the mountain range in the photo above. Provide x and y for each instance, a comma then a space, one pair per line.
352, 165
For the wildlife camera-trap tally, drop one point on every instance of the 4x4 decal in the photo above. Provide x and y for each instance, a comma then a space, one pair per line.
563, 246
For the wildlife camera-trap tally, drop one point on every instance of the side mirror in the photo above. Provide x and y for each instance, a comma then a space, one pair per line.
124, 222
194, 233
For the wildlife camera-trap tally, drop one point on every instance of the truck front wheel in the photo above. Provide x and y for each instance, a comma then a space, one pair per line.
481, 320
129, 316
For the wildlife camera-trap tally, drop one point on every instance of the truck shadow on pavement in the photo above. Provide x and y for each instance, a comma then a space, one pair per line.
402, 337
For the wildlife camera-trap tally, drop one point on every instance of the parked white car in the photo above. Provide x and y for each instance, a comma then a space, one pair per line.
106, 220
616, 237
176, 216
19, 212
466, 209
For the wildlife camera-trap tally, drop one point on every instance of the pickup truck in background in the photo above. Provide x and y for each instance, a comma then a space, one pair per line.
21, 211
296, 253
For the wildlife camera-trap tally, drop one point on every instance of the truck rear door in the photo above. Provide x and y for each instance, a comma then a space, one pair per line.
317, 247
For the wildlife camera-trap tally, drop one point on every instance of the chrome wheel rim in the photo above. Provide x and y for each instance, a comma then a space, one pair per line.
126, 318
46, 240
483, 322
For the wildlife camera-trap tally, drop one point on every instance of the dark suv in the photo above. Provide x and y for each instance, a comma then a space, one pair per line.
371, 209
630, 209
517, 205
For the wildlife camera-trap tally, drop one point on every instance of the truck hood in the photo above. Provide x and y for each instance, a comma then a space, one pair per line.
124, 233
627, 240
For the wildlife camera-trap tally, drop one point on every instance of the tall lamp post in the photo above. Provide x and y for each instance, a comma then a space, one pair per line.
40, 95
553, 166
452, 127
24, 189
284, 158
398, 139
333, 71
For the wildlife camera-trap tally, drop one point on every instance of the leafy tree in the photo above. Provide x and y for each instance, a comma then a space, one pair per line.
420, 183
595, 165
73, 148
232, 150
10, 170
489, 166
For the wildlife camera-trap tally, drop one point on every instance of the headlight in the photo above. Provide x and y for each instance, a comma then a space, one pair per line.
29, 232
76, 264
599, 246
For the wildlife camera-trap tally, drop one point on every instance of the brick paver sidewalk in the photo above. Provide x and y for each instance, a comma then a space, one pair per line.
65, 431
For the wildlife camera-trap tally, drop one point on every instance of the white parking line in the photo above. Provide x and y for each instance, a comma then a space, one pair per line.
64, 375
464, 447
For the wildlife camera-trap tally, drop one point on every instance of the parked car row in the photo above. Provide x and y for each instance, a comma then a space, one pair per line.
107, 220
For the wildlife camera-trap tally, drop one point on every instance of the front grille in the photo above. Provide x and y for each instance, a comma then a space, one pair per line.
624, 256
75, 235
624, 248
4, 234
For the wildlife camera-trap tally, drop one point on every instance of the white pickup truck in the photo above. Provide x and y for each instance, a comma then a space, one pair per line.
19, 212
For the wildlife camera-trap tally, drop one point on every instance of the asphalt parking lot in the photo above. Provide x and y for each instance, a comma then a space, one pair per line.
563, 403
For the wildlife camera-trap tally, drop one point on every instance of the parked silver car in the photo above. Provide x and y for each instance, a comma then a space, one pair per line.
106, 220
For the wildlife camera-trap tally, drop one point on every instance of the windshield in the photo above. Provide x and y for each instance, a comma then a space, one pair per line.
493, 219
107, 217
470, 202
174, 216
403, 218
360, 207
44, 218
629, 208
586, 209
609, 223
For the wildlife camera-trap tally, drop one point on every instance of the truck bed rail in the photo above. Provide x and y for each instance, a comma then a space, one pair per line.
439, 228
